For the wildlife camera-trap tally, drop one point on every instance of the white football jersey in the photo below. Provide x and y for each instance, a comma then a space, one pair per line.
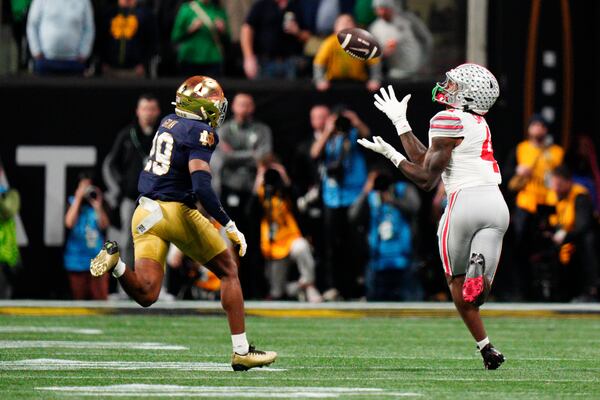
472, 162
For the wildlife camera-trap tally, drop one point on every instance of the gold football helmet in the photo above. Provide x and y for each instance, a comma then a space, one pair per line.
201, 98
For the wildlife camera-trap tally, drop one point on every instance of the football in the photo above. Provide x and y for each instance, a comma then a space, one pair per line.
359, 43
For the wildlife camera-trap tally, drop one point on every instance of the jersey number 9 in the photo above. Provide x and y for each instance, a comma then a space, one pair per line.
160, 154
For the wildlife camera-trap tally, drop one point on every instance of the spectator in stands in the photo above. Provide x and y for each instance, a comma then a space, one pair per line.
583, 163
281, 240
236, 11
333, 63
532, 162
406, 40
18, 16
344, 175
127, 40
199, 34
125, 161
87, 221
60, 35
389, 211
166, 11
305, 172
272, 39
10, 203
574, 224
306, 181
243, 142
535, 159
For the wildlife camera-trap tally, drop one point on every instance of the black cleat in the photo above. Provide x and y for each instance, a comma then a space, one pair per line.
492, 358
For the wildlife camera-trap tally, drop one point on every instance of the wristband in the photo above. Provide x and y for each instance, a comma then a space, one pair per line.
402, 126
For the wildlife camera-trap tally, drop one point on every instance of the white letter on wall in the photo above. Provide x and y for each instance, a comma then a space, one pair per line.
56, 159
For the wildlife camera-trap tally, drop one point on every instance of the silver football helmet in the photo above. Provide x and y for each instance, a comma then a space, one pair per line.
468, 87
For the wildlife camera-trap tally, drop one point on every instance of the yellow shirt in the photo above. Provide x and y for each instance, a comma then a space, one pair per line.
338, 64
542, 161
565, 216
278, 228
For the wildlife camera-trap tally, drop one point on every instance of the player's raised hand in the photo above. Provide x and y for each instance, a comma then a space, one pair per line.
236, 237
394, 109
378, 145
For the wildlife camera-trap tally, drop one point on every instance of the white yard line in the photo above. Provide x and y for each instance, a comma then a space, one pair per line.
143, 390
51, 364
49, 329
66, 344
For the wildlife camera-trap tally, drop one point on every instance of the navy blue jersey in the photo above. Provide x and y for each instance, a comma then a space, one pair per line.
166, 175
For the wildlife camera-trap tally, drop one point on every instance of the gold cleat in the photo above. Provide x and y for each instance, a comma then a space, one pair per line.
105, 260
254, 358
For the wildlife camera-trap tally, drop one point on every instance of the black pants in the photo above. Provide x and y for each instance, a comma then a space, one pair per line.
341, 263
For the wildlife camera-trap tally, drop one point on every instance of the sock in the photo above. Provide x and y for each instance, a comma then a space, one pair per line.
240, 344
119, 269
483, 343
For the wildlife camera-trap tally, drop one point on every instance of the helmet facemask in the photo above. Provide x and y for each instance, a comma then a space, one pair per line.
446, 92
468, 87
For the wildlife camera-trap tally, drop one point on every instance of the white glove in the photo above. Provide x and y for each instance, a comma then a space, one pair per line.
382, 147
394, 109
236, 237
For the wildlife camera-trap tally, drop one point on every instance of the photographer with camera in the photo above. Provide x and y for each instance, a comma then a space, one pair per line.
343, 174
388, 210
281, 240
87, 222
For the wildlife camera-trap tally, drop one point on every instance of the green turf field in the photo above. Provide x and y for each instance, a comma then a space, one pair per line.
382, 358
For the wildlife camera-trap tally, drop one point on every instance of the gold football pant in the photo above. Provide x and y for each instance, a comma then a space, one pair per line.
186, 228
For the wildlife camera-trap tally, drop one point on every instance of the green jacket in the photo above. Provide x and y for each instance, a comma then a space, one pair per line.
199, 47
9, 207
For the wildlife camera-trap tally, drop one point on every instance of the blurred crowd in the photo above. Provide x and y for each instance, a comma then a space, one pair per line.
331, 224
255, 39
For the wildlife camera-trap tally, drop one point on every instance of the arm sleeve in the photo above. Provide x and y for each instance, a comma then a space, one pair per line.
201, 147
446, 124
201, 183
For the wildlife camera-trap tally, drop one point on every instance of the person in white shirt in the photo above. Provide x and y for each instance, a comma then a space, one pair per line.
460, 153
406, 40
60, 35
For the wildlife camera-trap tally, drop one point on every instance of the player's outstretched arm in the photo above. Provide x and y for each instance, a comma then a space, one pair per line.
396, 112
201, 183
425, 176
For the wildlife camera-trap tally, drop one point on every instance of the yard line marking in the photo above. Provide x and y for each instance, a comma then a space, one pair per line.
66, 344
52, 364
49, 329
144, 390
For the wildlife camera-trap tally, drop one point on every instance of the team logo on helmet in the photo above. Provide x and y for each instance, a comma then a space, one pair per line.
201, 98
469, 87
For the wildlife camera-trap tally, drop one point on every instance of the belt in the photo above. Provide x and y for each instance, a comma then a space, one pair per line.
151, 219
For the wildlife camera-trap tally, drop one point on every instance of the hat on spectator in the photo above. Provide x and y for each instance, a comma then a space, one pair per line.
538, 118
